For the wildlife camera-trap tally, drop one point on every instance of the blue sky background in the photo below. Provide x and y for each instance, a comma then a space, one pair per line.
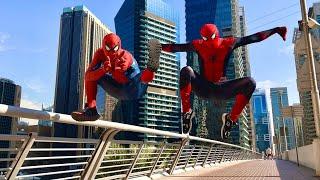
29, 42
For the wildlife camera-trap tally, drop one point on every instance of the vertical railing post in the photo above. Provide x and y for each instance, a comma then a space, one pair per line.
185, 166
233, 154
177, 157
156, 162
98, 155
21, 156
134, 161
240, 155
224, 152
243, 155
247, 155
213, 154
207, 157
199, 154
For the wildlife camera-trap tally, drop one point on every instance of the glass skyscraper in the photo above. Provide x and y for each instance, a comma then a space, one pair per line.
247, 112
279, 99
136, 22
261, 120
10, 94
81, 34
225, 14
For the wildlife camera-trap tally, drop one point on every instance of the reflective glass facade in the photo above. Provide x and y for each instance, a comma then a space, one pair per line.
261, 120
279, 99
136, 22
81, 34
10, 94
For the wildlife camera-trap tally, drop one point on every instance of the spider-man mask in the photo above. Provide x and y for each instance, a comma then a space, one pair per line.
111, 45
210, 35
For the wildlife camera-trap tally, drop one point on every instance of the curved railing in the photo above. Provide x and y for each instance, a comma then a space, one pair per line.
31, 156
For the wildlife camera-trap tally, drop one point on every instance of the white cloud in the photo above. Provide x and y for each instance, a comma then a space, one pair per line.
25, 103
4, 37
267, 84
288, 50
35, 84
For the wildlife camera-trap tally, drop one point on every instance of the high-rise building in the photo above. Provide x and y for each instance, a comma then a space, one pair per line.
247, 73
296, 113
136, 22
314, 13
244, 49
225, 14
303, 75
261, 120
283, 126
44, 122
298, 124
45, 127
81, 34
10, 94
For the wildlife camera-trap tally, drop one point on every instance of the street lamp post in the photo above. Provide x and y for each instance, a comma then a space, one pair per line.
295, 134
293, 111
285, 134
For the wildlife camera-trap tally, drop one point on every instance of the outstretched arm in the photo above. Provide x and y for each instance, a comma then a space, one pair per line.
260, 36
95, 71
188, 47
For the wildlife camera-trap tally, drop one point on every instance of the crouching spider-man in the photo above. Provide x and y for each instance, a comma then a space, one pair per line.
117, 72
214, 53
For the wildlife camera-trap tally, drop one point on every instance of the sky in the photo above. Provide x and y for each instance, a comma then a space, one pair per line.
29, 34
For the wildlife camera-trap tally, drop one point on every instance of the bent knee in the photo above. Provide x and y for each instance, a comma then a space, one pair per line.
251, 82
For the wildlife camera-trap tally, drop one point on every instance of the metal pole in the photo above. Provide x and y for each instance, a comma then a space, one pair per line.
280, 146
185, 166
176, 159
134, 161
213, 156
21, 156
285, 133
222, 157
156, 162
199, 154
312, 69
295, 135
208, 155
94, 163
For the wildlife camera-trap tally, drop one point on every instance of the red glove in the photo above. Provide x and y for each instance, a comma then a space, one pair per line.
282, 31
123, 63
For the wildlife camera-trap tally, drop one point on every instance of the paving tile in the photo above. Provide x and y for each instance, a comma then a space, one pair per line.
251, 170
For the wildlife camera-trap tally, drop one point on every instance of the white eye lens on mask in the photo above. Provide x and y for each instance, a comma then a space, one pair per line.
107, 48
213, 36
116, 48
204, 38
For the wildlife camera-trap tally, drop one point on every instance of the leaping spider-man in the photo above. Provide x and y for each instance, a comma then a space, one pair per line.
214, 53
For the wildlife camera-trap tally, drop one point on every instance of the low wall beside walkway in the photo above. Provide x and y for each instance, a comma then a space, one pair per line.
306, 156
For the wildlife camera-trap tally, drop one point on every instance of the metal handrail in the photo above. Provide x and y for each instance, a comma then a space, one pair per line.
98, 159
14, 111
